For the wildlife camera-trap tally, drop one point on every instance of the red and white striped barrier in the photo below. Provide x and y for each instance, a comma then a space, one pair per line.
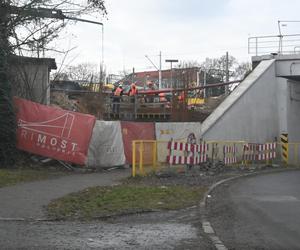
182, 146
259, 152
196, 153
191, 160
230, 160
230, 154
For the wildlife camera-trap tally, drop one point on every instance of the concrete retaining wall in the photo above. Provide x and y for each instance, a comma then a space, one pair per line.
250, 112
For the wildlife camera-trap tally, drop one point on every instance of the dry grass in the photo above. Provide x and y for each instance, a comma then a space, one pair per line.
99, 202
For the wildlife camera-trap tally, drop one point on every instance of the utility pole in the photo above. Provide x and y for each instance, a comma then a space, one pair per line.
102, 57
133, 72
198, 78
159, 72
227, 73
204, 84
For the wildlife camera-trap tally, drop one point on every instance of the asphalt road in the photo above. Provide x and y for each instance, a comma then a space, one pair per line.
260, 212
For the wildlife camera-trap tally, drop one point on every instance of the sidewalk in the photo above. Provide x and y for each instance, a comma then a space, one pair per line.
27, 200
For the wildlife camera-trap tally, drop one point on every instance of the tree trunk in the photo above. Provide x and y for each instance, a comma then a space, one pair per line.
7, 114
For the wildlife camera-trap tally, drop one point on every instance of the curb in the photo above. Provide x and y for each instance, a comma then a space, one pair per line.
24, 219
206, 225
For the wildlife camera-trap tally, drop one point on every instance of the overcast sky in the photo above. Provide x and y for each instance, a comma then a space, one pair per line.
181, 29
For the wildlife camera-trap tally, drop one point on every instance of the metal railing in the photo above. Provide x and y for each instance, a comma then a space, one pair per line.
136, 107
279, 44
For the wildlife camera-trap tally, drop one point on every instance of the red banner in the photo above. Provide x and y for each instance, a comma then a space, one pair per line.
53, 132
137, 131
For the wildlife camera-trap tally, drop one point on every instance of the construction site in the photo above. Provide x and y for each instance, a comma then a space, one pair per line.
191, 100
107, 144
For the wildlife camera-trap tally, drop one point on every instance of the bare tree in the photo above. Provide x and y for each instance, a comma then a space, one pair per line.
32, 35
242, 70
25, 28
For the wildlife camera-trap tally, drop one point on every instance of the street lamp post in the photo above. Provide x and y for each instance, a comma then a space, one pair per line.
171, 61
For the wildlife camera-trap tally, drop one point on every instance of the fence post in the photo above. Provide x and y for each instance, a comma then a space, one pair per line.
135, 106
268, 153
133, 158
154, 154
141, 158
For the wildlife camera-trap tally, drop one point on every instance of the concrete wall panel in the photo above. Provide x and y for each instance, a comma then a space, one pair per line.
250, 112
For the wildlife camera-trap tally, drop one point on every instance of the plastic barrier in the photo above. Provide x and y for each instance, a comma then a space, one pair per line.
193, 154
259, 152
230, 154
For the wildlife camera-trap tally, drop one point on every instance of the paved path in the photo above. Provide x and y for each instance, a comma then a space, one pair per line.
27, 200
260, 212
161, 230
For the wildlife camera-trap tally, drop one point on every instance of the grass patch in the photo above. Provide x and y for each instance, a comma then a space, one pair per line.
10, 177
109, 201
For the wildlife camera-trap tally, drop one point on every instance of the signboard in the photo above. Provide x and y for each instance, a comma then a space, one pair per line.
53, 132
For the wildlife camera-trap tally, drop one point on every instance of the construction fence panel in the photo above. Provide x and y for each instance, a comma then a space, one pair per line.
186, 153
176, 131
53, 132
228, 152
106, 148
132, 131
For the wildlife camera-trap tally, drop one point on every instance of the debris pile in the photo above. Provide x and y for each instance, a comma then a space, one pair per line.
87, 103
60, 99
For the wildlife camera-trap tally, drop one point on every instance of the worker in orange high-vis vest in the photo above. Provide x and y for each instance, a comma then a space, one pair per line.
117, 98
133, 92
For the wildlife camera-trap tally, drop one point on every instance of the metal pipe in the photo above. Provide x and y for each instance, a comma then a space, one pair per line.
189, 89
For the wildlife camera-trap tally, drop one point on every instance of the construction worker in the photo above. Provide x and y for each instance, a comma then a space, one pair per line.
118, 92
181, 97
133, 92
162, 97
